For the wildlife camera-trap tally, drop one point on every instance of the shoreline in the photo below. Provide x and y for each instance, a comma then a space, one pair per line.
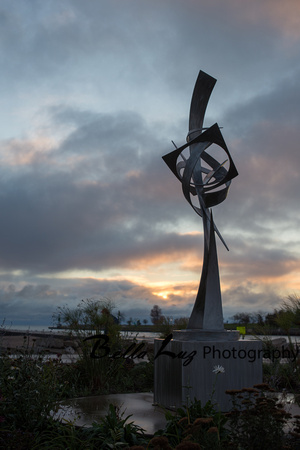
58, 342
37, 333
36, 341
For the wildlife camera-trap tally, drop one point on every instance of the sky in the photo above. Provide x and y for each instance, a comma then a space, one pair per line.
92, 94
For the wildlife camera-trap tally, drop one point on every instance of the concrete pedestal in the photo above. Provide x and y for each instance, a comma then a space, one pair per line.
184, 369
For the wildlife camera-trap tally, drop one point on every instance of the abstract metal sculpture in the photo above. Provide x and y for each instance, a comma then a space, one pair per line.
206, 178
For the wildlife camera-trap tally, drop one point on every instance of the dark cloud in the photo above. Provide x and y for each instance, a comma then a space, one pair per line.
95, 93
248, 297
35, 304
102, 211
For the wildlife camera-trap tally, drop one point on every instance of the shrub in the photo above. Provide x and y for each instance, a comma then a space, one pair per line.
29, 389
196, 424
92, 317
257, 419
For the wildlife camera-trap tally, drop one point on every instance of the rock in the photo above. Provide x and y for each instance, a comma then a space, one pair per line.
278, 342
70, 350
71, 343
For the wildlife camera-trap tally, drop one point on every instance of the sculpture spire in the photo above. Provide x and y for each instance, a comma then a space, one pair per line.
206, 179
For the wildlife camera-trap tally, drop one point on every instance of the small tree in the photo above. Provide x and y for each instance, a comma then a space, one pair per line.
90, 315
242, 318
259, 318
271, 320
93, 317
164, 326
291, 307
288, 316
120, 317
181, 323
156, 314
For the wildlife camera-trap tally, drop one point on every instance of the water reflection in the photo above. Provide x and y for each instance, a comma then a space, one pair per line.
86, 410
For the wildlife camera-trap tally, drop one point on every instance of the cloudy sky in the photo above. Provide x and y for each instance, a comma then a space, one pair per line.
92, 93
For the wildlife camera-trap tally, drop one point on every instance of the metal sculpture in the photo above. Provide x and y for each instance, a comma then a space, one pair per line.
206, 179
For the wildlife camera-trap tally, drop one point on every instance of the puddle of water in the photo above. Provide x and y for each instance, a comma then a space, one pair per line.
86, 410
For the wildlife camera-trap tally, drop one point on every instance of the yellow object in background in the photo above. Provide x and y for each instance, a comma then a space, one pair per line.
242, 331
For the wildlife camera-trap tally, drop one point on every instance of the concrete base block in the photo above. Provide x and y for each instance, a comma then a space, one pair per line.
184, 369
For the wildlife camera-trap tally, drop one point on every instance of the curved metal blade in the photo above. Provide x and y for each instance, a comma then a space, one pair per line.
201, 94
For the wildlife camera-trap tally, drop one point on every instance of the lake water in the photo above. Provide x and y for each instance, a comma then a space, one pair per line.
147, 336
